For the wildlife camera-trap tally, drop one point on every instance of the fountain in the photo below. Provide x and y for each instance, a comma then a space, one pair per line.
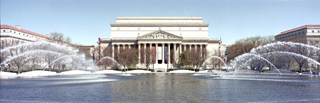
28, 53
287, 53
204, 63
62, 57
79, 61
37, 44
249, 54
47, 48
270, 49
107, 57
281, 44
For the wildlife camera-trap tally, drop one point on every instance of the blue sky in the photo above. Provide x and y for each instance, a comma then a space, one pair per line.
86, 20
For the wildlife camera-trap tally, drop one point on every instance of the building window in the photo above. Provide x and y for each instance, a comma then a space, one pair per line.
312, 31
14, 32
10, 31
318, 31
295, 34
302, 32
4, 30
299, 33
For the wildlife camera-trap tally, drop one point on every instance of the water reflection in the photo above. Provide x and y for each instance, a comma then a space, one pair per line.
162, 87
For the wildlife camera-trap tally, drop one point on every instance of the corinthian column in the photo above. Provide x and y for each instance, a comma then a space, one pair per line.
174, 52
162, 53
144, 52
155, 54
138, 53
168, 53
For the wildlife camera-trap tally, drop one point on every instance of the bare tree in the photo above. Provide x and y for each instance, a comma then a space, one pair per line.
245, 45
303, 50
185, 58
49, 58
316, 56
195, 59
107, 52
216, 62
34, 61
127, 57
59, 37
19, 61
4, 55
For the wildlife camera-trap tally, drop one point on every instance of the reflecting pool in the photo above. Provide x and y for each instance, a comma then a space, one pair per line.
162, 87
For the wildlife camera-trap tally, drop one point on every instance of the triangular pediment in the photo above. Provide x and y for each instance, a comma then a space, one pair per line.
159, 35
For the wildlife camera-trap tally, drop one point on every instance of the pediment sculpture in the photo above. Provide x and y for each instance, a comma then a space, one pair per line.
159, 35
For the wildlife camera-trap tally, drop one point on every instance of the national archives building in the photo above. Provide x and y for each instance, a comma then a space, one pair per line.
164, 36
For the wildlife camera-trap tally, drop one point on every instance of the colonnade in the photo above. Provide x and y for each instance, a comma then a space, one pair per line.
177, 47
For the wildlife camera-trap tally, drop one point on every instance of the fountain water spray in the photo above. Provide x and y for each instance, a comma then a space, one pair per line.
30, 52
295, 54
250, 54
57, 46
287, 53
204, 63
283, 44
107, 57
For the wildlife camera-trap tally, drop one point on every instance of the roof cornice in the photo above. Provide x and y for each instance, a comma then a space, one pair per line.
144, 24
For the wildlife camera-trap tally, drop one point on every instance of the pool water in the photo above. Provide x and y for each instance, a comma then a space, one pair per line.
162, 87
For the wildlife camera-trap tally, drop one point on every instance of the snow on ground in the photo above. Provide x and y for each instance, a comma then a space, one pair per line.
182, 71
36, 73
75, 72
7, 75
107, 72
138, 71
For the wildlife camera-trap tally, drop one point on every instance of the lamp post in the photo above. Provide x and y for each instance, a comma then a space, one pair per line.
153, 60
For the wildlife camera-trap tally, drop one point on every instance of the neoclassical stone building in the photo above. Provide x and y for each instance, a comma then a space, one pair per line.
16, 33
306, 34
164, 36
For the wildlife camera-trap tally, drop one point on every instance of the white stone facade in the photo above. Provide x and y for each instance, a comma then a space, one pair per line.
16, 33
301, 34
177, 33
